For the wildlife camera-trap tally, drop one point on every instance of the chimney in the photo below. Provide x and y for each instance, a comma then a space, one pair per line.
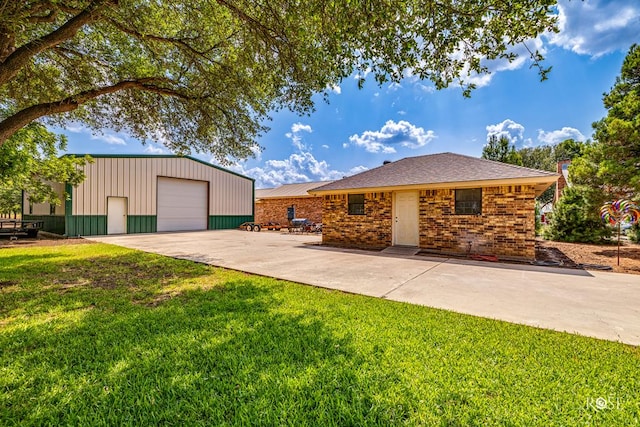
562, 169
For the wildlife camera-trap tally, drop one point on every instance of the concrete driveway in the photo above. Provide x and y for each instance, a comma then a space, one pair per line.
597, 304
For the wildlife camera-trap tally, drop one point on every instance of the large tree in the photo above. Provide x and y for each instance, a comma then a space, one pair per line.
501, 150
543, 157
612, 163
204, 74
29, 161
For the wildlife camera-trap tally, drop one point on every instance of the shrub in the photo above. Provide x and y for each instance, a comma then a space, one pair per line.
634, 233
575, 219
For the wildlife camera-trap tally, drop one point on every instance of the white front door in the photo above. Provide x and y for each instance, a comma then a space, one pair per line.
116, 215
405, 211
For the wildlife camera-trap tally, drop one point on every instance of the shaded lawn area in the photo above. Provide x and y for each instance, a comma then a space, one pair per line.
101, 335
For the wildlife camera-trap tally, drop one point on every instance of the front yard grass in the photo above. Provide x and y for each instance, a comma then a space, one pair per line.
100, 335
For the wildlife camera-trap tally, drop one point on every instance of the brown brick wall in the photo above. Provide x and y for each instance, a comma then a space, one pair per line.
275, 210
372, 230
505, 228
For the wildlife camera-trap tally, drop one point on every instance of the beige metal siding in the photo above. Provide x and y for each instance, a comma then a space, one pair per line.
136, 179
45, 208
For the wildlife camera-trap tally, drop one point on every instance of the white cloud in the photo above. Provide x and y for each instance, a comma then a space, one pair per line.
109, 139
514, 132
394, 87
362, 74
75, 128
298, 167
299, 127
507, 128
402, 112
301, 166
257, 151
295, 137
555, 136
151, 149
497, 65
356, 170
425, 88
401, 133
597, 27
335, 89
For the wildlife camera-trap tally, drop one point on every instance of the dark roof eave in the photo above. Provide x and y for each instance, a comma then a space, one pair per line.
542, 179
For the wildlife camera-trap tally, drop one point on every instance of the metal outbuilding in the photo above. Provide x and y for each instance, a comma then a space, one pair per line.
147, 194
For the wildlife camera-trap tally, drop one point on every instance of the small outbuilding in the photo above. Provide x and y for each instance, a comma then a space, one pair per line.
148, 194
445, 203
272, 204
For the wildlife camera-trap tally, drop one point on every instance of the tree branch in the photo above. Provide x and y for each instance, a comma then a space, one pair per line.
49, 17
12, 124
259, 26
176, 42
19, 58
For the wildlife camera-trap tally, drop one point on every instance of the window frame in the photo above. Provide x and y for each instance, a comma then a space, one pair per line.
466, 209
355, 207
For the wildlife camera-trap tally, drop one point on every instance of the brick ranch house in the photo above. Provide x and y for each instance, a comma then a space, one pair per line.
444, 203
271, 203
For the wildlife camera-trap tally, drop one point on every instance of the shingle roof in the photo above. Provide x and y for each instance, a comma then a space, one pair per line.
290, 190
435, 169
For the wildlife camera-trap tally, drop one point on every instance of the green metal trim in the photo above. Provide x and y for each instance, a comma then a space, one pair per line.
68, 208
52, 223
227, 222
85, 225
142, 224
158, 156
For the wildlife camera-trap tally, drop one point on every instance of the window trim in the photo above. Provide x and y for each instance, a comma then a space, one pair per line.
355, 208
465, 210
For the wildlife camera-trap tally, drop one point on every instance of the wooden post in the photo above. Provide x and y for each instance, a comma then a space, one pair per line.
619, 242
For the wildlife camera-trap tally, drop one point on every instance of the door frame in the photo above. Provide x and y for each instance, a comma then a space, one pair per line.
126, 213
394, 232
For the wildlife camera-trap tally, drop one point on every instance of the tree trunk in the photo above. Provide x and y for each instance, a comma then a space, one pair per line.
18, 58
14, 123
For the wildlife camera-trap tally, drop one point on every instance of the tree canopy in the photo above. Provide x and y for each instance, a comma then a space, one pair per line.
29, 161
501, 150
543, 157
612, 163
205, 74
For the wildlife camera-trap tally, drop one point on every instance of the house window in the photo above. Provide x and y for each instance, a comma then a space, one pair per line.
52, 209
469, 201
356, 204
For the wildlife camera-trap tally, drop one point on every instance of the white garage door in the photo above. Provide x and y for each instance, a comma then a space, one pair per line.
182, 204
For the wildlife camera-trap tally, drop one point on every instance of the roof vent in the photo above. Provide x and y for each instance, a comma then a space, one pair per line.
386, 162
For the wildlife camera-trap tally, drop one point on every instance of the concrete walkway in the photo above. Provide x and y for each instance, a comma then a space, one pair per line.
592, 303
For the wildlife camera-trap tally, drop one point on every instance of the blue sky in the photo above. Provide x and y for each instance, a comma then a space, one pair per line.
360, 128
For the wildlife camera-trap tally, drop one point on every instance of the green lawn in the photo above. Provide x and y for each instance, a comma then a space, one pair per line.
99, 335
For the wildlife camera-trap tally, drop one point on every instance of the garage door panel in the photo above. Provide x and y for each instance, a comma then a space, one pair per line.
182, 204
